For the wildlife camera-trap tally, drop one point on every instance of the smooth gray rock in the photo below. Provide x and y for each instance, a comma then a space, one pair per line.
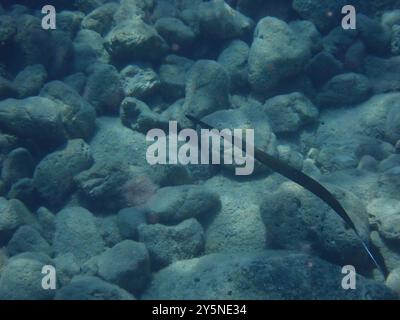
172, 205
132, 272
128, 221
345, 90
77, 233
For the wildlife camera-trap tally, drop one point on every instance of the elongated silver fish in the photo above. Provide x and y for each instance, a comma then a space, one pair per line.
307, 183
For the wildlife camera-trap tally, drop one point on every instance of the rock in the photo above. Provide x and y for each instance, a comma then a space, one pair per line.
21, 279
128, 221
88, 49
140, 82
66, 267
288, 113
77, 233
32, 44
87, 6
393, 280
101, 18
389, 181
345, 90
171, 205
34, 118
323, 67
291, 157
54, 174
24, 190
234, 59
76, 81
391, 18
383, 73
175, 32
219, 20
164, 9
47, 222
387, 250
246, 117
132, 9
338, 41
207, 89
103, 89
69, 21
136, 115
62, 51
309, 32
132, 272
375, 36
167, 244
30, 80
390, 162
354, 57
390, 227
13, 214
26, 239
262, 275
17, 164
237, 226
305, 223
78, 116
8, 28
275, 54
395, 43
7, 89
109, 230
368, 163
258, 9
392, 128
173, 77
91, 288
134, 39
101, 187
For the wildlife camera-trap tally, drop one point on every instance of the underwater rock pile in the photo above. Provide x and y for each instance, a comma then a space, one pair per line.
76, 190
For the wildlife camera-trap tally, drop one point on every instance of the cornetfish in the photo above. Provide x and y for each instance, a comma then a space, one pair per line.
307, 183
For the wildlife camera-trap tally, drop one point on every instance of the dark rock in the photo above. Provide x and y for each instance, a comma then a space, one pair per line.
132, 272
27, 239
54, 174
91, 288
103, 89
77, 233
